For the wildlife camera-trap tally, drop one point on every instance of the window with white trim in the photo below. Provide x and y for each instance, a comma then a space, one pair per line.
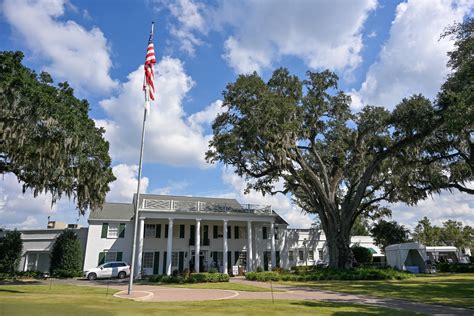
220, 231
311, 255
110, 256
290, 255
113, 230
150, 230
242, 232
174, 259
148, 260
175, 231
321, 254
301, 255
242, 259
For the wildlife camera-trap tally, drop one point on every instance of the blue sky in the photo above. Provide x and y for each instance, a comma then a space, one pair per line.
382, 51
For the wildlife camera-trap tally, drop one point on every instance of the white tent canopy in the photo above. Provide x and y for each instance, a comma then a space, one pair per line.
408, 256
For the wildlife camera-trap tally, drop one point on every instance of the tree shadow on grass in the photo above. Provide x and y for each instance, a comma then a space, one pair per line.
10, 291
368, 310
20, 282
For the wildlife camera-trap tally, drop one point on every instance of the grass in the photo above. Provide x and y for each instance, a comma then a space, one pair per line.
445, 289
76, 300
224, 286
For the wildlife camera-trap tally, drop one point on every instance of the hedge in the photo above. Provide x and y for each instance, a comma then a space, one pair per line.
456, 267
22, 275
330, 274
190, 278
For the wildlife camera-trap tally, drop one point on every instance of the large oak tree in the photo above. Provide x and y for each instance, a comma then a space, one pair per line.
333, 162
47, 138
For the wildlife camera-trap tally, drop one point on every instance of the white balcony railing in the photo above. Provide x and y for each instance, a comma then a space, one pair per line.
207, 207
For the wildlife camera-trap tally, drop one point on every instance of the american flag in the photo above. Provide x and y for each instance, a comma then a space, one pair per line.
149, 61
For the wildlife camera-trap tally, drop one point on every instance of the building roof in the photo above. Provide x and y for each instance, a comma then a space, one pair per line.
154, 202
118, 211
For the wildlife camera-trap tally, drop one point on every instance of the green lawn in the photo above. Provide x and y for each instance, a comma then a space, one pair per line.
446, 289
224, 286
78, 300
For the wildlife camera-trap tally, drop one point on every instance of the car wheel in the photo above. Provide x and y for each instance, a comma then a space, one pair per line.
121, 275
92, 276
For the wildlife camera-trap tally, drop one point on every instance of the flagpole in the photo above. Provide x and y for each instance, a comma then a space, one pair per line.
137, 201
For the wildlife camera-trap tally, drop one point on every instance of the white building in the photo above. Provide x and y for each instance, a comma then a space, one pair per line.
173, 229
223, 232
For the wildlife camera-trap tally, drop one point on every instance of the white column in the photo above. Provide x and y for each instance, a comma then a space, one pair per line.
138, 265
272, 233
169, 254
249, 247
197, 248
224, 255
284, 250
26, 262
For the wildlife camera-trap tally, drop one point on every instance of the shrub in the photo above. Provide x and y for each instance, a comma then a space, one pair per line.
66, 256
11, 246
362, 255
330, 274
212, 270
191, 278
22, 275
259, 269
456, 267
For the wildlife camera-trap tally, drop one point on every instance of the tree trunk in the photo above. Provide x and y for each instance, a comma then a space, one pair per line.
338, 243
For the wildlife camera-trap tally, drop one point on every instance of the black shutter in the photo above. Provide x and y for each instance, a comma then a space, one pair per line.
181, 231
158, 231
229, 232
166, 231
101, 258
229, 261
264, 231
236, 258
236, 232
156, 262
214, 232
165, 255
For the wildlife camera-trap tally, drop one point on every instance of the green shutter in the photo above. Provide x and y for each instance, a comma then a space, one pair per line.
101, 258
236, 232
214, 232
166, 231
118, 256
105, 229
158, 231
122, 231
156, 262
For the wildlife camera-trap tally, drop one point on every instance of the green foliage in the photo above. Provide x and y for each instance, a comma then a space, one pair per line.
22, 275
388, 233
330, 274
360, 227
212, 270
452, 233
66, 255
456, 267
11, 247
362, 255
259, 269
203, 277
48, 140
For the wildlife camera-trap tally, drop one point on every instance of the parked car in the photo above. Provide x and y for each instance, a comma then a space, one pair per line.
116, 269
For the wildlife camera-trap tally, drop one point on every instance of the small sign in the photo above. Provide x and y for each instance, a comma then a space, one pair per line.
235, 270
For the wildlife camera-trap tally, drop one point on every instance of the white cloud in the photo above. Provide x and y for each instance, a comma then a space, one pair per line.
123, 189
413, 60
189, 22
439, 208
72, 52
24, 211
324, 34
280, 203
171, 137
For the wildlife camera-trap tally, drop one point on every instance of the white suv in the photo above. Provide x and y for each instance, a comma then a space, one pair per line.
117, 269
